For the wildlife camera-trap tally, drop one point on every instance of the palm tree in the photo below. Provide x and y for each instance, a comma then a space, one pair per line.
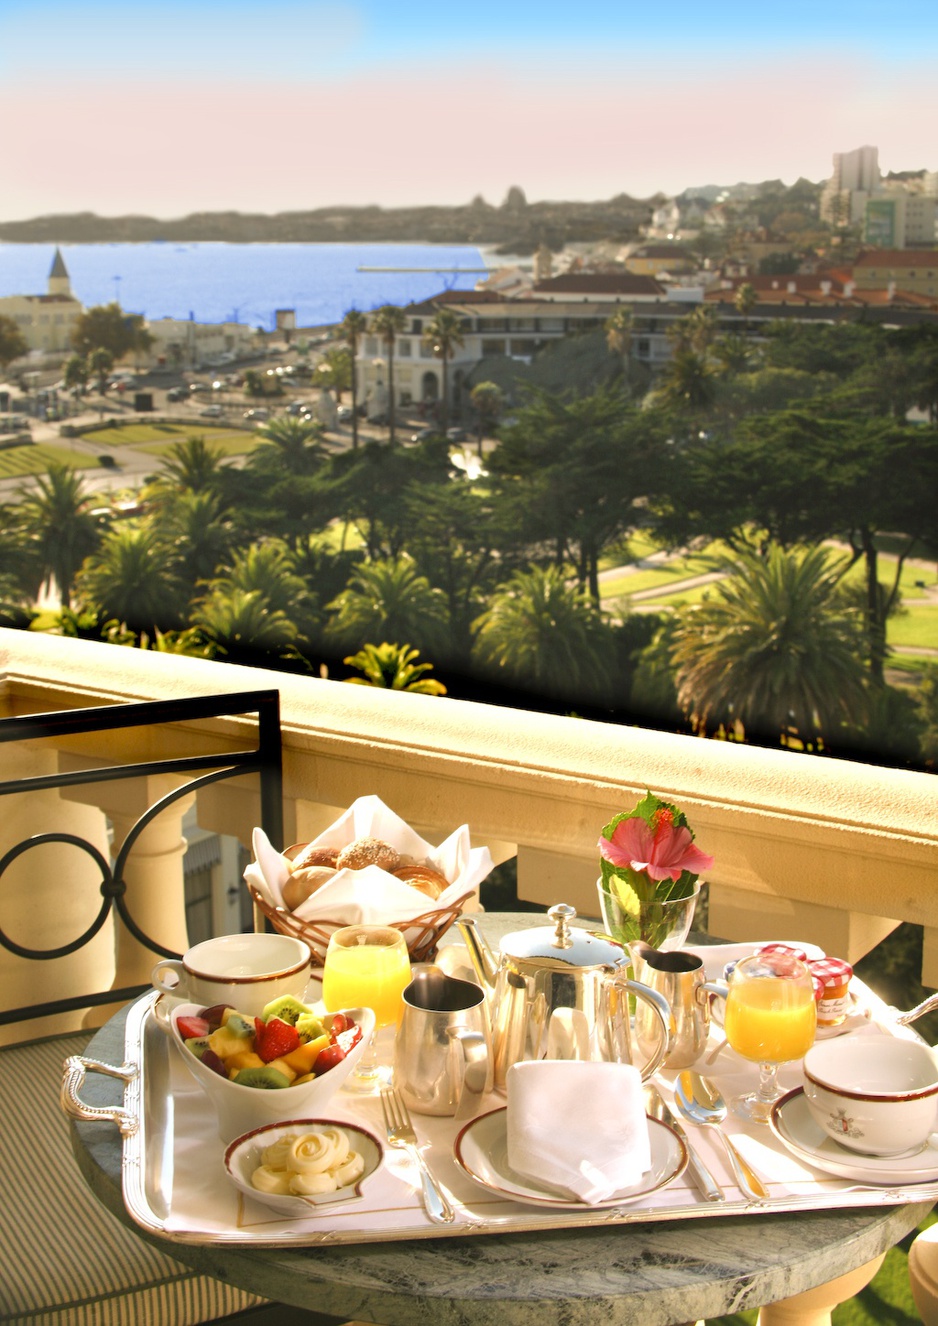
389, 600
352, 329
192, 465
241, 620
488, 401
100, 363
75, 372
393, 667
56, 516
744, 301
775, 649
132, 579
198, 536
443, 335
618, 329
544, 634
388, 322
297, 444
267, 568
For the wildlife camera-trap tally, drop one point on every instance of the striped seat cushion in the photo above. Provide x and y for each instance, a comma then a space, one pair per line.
64, 1259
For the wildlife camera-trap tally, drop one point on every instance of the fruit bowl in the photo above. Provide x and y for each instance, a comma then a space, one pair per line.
241, 1109
245, 1153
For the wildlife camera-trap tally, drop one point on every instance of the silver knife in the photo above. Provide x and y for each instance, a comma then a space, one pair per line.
697, 1171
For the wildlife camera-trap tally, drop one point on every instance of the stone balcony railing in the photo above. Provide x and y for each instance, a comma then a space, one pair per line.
830, 851
835, 852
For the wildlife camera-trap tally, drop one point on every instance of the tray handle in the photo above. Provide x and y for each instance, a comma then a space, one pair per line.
73, 1077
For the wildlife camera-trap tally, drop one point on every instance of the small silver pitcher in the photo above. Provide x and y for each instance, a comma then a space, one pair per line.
679, 978
443, 1060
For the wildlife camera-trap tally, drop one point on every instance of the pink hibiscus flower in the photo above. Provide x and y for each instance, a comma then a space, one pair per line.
663, 852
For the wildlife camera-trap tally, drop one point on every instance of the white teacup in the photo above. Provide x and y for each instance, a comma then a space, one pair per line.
244, 971
877, 1095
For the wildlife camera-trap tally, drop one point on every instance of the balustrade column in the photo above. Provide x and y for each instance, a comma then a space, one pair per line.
50, 894
153, 873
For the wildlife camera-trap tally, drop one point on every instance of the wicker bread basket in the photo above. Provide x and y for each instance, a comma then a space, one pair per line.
422, 932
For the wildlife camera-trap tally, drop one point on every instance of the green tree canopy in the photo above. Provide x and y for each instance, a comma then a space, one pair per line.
542, 634
108, 327
773, 648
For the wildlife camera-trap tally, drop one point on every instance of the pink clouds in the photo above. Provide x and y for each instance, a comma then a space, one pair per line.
441, 136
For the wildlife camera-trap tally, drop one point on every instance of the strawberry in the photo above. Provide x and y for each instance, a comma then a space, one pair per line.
274, 1038
190, 1027
346, 1039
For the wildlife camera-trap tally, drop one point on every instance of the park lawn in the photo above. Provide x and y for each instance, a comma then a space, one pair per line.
157, 437
917, 627
15, 461
231, 443
666, 574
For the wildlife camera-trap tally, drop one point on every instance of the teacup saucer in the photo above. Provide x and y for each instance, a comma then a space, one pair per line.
793, 1124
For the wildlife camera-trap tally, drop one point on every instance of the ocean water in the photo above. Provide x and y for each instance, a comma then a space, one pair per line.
244, 283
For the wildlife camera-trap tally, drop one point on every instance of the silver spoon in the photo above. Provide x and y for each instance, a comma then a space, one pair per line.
700, 1102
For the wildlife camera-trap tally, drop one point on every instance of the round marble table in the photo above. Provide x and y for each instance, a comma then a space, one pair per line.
655, 1274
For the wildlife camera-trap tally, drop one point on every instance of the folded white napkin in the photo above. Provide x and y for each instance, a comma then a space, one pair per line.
578, 1127
372, 896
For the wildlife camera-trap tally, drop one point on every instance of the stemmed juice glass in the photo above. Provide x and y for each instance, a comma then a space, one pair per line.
367, 966
771, 1019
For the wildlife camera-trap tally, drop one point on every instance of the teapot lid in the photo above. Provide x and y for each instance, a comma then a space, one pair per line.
563, 943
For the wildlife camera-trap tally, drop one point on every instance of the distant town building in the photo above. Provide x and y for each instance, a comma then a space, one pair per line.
898, 271
660, 260
899, 220
855, 178
46, 321
185, 343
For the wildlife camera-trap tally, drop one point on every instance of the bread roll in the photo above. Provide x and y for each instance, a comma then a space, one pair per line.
303, 882
315, 856
368, 852
424, 878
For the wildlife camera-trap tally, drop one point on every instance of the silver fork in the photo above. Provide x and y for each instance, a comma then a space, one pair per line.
401, 1133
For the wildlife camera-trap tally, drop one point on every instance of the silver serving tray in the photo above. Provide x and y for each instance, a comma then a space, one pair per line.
167, 1194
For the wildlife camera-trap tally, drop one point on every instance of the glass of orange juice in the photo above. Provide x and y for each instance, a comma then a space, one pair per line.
366, 966
771, 1018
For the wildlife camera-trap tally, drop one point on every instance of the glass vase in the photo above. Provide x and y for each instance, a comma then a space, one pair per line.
662, 925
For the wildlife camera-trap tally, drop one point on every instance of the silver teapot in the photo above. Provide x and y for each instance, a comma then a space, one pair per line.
560, 992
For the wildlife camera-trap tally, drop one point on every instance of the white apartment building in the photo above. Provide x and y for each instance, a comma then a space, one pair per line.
516, 328
854, 179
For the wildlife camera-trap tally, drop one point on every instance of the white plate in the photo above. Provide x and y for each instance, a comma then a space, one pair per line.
481, 1149
794, 1126
244, 1155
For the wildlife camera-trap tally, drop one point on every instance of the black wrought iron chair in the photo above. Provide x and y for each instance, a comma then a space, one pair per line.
63, 1258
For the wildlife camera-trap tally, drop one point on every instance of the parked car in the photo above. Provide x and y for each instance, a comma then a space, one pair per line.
424, 434
177, 394
457, 435
344, 414
260, 412
198, 386
211, 411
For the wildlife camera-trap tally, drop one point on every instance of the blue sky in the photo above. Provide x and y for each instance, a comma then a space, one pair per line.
175, 107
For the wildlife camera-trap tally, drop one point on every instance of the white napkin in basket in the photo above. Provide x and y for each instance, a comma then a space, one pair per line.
577, 1126
372, 896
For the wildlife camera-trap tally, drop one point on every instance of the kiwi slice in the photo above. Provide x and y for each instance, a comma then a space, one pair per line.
198, 1045
286, 1008
268, 1078
310, 1027
239, 1025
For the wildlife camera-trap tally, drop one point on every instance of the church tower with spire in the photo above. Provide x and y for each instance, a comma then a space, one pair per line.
59, 281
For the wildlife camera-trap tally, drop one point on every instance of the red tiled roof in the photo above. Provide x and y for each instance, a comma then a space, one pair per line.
600, 283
